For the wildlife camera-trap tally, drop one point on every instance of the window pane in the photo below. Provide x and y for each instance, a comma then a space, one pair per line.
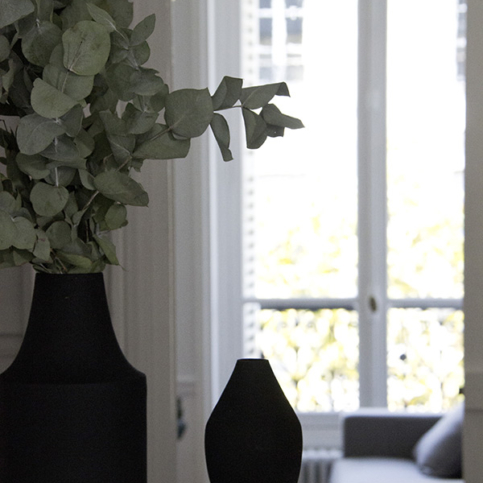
302, 190
314, 355
425, 129
425, 358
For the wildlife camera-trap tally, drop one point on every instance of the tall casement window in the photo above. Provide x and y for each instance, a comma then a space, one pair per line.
353, 228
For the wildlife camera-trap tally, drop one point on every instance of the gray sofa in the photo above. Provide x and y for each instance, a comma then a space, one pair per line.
379, 447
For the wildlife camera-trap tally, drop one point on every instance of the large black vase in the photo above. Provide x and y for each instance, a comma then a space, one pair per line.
253, 435
72, 409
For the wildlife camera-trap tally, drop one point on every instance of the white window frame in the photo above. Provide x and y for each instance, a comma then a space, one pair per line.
215, 196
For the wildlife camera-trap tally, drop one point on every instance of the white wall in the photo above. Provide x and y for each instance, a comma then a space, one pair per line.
141, 293
473, 304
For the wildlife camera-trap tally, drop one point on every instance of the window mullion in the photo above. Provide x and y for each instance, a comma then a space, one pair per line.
372, 201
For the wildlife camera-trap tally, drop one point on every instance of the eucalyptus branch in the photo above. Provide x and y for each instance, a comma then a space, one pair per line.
97, 63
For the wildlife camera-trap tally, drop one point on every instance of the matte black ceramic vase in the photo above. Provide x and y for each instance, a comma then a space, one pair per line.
253, 435
72, 409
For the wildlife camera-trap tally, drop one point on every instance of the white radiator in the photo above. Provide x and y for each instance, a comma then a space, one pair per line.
316, 464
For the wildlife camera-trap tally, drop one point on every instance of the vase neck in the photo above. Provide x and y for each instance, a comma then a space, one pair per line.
69, 336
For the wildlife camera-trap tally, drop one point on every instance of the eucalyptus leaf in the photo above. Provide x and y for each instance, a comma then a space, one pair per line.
112, 123
101, 17
116, 216
72, 121
61, 176
228, 93
72, 85
121, 11
26, 236
7, 202
189, 112
42, 246
255, 129
87, 179
108, 248
119, 80
260, 96
75, 11
35, 166
146, 82
141, 53
13, 10
143, 30
118, 186
272, 115
85, 143
49, 102
86, 48
35, 133
122, 147
162, 145
4, 48
138, 122
71, 207
77, 254
44, 9
59, 234
275, 131
63, 152
154, 104
48, 200
21, 257
221, 132
39, 43
6, 258
8, 230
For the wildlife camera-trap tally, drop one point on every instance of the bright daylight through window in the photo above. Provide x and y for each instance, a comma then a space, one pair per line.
357, 301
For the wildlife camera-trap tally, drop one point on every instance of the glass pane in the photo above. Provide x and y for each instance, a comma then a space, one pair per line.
314, 355
425, 148
302, 191
425, 358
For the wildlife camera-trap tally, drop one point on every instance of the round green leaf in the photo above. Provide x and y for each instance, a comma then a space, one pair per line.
48, 200
42, 246
39, 42
102, 17
118, 186
13, 10
4, 48
272, 115
8, 230
116, 216
143, 30
189, 112
34, 166
108, 248
86, 48
221, 132
162, 145
35, 133
255, 129
26, 236
259, 96
59, 234
75, 86
7, 202
49, 102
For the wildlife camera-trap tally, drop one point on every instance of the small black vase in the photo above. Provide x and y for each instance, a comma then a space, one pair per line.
253, 435
72, 409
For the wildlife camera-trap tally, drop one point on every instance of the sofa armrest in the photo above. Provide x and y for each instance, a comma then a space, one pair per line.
382, 433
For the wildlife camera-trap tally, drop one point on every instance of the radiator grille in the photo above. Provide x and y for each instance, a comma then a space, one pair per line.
316, 464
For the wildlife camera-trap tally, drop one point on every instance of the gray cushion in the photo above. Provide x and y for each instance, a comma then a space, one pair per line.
380, 470
439, 451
